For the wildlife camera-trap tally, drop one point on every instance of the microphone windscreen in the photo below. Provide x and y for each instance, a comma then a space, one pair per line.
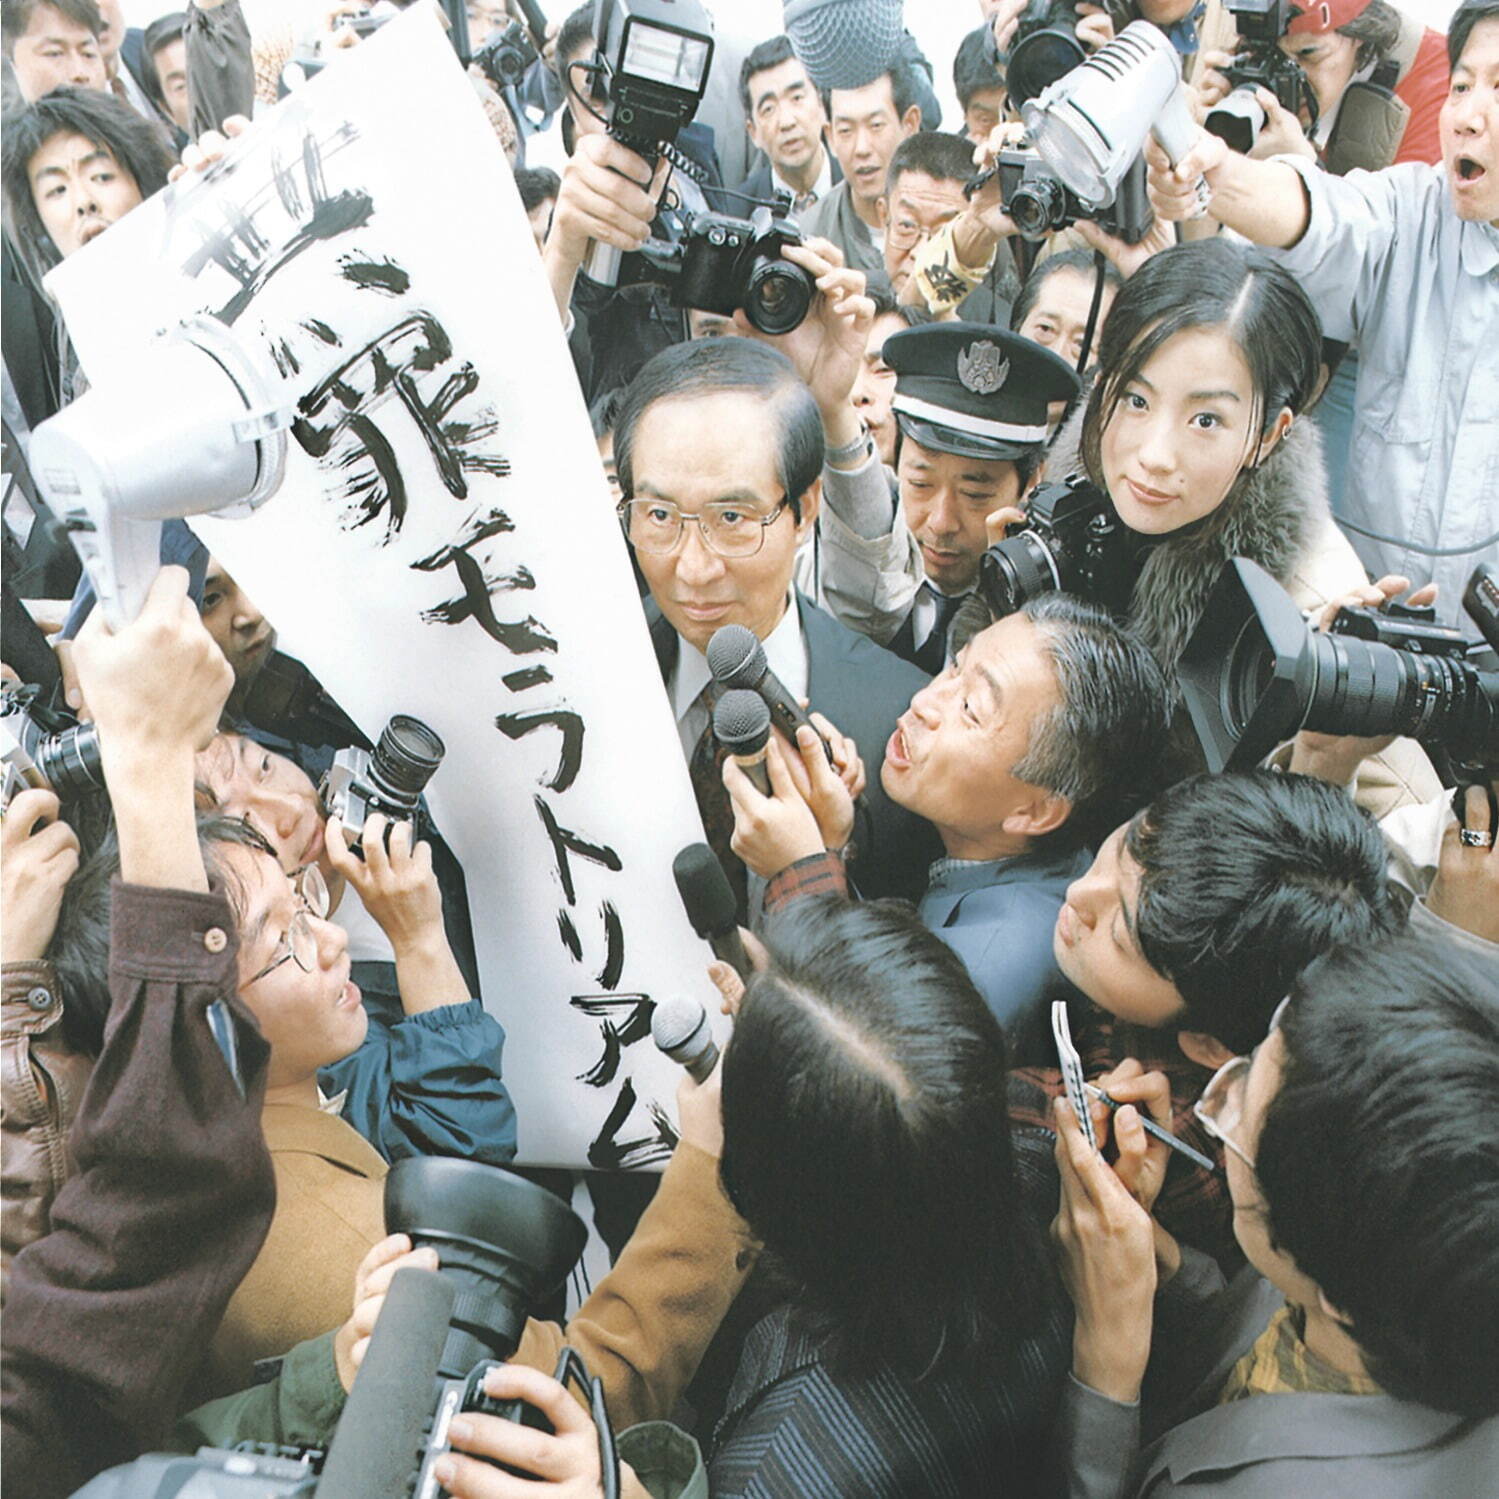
844, 43
735, 657
705, 890
679, 1022
375, 1449
741, 722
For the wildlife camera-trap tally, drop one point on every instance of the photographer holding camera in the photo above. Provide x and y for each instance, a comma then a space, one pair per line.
1402, 260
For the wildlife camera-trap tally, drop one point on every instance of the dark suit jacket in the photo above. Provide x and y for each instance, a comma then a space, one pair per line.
862, 689
761, 182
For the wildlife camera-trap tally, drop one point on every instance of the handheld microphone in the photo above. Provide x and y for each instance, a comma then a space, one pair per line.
844, 43
709, 901
680, 1028
375, 1449
741, 723
737, 659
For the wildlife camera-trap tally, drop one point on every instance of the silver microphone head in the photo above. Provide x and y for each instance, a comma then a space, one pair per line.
735, 657
679, 1023
844, 43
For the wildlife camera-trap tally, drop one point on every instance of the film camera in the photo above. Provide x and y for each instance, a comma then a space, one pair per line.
1045, 47
43, 745
505, 54
1039, 202
1254, 672
1259, 63
504, 1244
717, 263
1072, 541
390, 779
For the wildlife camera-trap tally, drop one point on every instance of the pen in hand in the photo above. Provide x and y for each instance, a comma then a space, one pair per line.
1152, 1128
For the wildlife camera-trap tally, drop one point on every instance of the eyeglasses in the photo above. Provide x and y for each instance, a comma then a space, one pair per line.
729, 529
300, 942
903, 233
1220, 1110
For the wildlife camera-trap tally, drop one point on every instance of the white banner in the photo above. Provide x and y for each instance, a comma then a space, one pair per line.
445, 545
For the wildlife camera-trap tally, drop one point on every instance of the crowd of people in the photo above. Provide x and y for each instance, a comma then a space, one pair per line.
978, 506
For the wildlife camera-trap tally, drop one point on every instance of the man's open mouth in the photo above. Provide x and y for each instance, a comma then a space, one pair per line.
1469, 170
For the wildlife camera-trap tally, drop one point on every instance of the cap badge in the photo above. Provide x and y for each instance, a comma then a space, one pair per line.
982, 368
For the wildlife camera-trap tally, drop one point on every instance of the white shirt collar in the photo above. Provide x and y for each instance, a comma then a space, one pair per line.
820, 188
785, 654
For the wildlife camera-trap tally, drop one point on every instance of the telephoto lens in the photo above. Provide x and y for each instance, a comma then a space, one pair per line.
405, 759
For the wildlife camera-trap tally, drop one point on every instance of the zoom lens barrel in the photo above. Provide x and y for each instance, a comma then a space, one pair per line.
405, 759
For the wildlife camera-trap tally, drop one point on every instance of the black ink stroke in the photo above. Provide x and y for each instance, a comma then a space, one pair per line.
515, 726
565, 842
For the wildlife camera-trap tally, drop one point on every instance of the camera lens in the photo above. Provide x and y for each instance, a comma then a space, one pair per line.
69, 762
1039, 59
1038, 207
1016, 570
777, 296
405, 758
1237, 120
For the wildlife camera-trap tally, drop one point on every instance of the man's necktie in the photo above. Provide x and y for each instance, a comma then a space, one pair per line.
932, 654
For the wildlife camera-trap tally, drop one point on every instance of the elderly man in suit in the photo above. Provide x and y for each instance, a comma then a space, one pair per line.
719, 448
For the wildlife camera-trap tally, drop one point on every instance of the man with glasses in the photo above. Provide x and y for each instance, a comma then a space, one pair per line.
1362, 1159
719, 449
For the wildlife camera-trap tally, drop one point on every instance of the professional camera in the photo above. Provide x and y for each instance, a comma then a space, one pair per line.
717, 263
1039, 203
44, 746
1072, 541
1254, 672
505, 54
507, 1244
1259, 63
390, 780
1045, 47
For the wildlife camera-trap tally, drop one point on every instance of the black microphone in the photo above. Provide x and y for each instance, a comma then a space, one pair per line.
844, 43
710, 905
737, 659
377, 1446
680, 1028
741, 723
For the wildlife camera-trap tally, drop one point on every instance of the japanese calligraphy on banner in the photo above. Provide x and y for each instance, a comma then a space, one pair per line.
444, 545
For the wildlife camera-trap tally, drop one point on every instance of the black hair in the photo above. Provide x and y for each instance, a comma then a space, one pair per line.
603, 413
163, 31
1110, 724
949, 158
137, 145
79, 950
1376, 29
769, 54
16, 17
1244, 879
1211, 283
1461, 25
1081, 261
536, 185
710, 365
576, 32
905, 87
1378, 1159
974, 68
866, 1140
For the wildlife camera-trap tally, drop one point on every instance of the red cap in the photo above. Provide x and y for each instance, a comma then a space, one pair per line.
1319, 16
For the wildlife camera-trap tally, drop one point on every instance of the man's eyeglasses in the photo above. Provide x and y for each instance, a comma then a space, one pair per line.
731, 530
903, 233
300, 942
1220, 1110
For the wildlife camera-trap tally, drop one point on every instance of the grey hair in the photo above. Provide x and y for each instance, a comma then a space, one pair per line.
1101, 745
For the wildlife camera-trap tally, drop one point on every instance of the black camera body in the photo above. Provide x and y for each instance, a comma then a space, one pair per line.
389, 780
717, 263
1039, 202
1045, 45
1259, 63
1073, 542
505, 54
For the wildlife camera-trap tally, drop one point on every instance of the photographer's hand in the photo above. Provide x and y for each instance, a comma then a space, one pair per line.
1210, 85
1095, 29
396, 884
1465, 891
771, 832
1003, 19
371, 1282
1282, 134
38, 856
1127, 258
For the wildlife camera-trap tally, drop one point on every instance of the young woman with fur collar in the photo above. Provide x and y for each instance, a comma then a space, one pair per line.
1208, 360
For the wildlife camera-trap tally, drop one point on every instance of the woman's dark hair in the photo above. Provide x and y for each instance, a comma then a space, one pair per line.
1209, 284
712, 365
1244, 879
1376, 29
1460, 27
79, 950
866, 1139
1378, 1159
1081, 261
136, 144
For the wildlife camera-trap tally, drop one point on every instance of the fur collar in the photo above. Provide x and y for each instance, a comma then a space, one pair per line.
1271, 516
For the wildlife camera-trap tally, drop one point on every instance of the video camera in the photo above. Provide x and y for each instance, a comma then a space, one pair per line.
505, 1245
389, 779
1039, 202
1255, 672
1238, 117
1045, 46
717, 263
1072, 541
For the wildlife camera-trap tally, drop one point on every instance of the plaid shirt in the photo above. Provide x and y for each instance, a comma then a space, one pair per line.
817, 874
1280, 1363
